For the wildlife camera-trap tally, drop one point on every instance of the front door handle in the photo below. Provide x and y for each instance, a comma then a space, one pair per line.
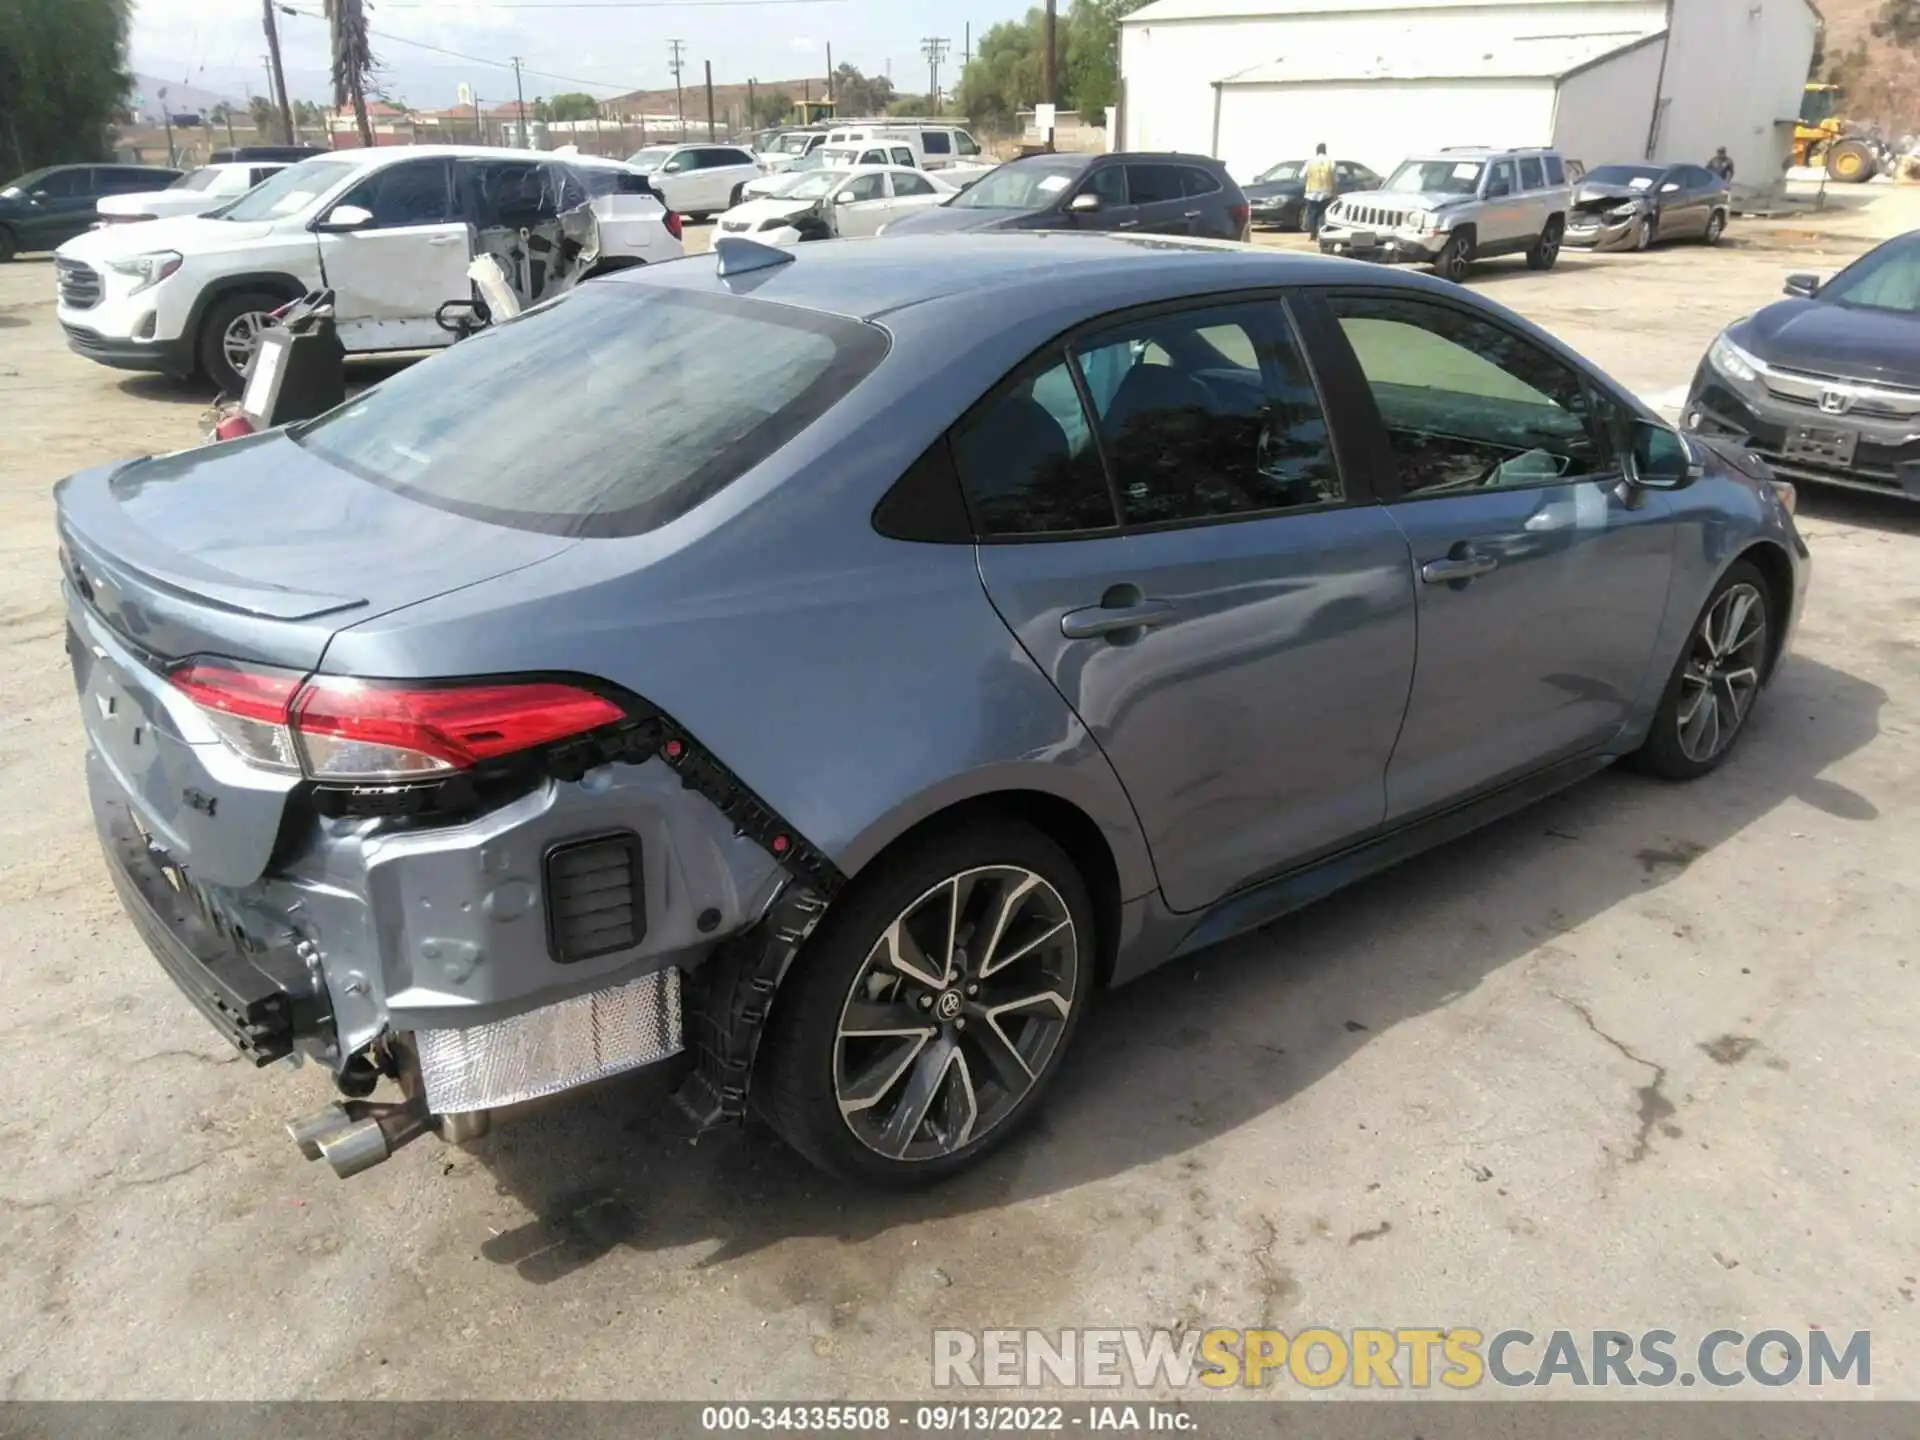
1098, 620
1456, 568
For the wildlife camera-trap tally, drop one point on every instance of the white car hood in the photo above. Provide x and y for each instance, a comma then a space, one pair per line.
189, 234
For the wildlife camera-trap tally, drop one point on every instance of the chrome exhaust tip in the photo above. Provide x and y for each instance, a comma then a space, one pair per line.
358, 1135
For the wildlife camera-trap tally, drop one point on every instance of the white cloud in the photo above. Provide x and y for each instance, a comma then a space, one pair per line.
803, 44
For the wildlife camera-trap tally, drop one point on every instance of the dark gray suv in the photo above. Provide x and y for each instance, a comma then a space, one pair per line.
849, 659
1135, 193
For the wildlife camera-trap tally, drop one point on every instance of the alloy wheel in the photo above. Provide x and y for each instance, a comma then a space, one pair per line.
241, 339
1714, 226
1722, 674
956, 1013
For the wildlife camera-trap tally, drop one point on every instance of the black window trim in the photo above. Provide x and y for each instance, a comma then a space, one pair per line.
1357, 394
1355, 487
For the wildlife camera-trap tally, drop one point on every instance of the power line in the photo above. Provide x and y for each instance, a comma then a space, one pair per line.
679, 101
935, 48
475, 59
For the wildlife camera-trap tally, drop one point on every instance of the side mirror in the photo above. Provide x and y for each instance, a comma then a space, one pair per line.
343, 218
39, 197
1085, 203
1669, 187
1662, 458
1496, 189
845, 197
672, 167
1805, 286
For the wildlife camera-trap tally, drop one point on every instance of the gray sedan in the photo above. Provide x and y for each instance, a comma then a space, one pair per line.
845, 663
1630, 207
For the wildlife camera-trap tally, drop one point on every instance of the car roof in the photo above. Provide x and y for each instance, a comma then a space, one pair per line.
868, 278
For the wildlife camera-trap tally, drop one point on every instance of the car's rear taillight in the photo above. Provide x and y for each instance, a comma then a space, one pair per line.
1241, 215
673, 224
354, 730
334, 728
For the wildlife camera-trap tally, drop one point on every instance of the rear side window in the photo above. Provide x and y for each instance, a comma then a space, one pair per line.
728, 157
651, 401
1530, 172
936, 142
873, 157
1150, 184
1028, 461
1556, 173
1196, 181
912, 185
1208, 413
65, 184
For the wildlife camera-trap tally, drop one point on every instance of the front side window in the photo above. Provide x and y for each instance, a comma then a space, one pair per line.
874, 157
1468, 405
964, 143
64, 184
1028, 461
1110, 184
1500, 179
414, 193
901, 155
865, 187
936, 142
652, 400
1207, 413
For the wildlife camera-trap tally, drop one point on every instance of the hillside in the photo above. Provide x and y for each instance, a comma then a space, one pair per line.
1881, 78
728, 100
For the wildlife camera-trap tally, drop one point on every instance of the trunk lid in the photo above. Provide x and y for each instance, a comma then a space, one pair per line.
256, 551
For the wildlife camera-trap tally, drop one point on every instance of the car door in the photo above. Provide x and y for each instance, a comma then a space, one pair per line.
725, 170
390, 276
1170, 539
1159, 201
1703, 190
59, 207
678, 181
1670, 198
1502, 218
1206, 209
1542, 579
901, 155
1534, 200
1107, 184
862, 205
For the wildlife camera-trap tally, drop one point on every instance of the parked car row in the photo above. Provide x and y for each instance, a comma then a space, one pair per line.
45, 208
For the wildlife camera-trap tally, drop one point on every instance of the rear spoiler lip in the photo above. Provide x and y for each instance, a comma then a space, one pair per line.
100, 549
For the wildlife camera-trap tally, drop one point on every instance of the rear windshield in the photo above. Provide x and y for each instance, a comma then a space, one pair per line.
648, 402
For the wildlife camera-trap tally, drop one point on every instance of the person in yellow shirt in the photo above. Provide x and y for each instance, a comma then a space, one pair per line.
1318, 186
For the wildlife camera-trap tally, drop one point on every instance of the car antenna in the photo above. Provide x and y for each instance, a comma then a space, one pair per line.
741, 256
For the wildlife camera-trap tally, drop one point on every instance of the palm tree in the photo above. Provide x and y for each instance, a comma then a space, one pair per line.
353, 62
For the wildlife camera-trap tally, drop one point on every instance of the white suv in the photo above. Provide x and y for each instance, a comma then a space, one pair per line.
697, 180
390, 231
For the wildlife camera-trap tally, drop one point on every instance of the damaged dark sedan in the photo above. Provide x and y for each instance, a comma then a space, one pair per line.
1630, 207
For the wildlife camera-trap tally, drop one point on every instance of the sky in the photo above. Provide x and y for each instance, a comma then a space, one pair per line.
604, 47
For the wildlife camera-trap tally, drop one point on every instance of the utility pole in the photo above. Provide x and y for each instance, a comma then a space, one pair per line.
935, 48
709, 100
275, 75
166, 119
1047, 85
679, 98
828, 92
753, 110
520, 99
966, 47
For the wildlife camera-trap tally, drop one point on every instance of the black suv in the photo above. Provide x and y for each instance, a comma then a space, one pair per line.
46, 208
1132, 192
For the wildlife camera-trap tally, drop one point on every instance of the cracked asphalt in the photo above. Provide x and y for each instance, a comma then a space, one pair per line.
1643, 1056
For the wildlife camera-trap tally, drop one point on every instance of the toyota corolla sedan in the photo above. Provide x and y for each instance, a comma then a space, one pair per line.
1825, 385
856, 658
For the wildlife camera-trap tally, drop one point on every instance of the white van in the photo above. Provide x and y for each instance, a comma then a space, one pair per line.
935, 147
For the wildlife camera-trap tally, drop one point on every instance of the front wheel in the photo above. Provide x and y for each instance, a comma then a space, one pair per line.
932, 1007
1452, 261
1643, 236
1716, 682
230, 337
1545, 249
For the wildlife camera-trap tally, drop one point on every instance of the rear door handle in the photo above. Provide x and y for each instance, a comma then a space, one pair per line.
1455, 568
1098, 620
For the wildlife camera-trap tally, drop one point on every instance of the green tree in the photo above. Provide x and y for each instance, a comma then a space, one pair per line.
260, 108
1009, 73
909, 105
1898, 21
771, 107
858, 94
1091, 66
573, 105
63, 79
1005, 73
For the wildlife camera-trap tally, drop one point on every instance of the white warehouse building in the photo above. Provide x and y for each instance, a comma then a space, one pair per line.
1258, 81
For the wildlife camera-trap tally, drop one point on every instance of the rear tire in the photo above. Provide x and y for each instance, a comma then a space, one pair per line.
1723, 663
841, 1087
739, 194
9, 247
1716, 226
1454, 258
218, 346
1546, 249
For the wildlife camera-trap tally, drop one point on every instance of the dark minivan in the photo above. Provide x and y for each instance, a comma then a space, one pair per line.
1136, 192
45, 208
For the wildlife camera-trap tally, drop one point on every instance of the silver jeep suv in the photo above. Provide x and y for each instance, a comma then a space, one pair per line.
1454, 206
